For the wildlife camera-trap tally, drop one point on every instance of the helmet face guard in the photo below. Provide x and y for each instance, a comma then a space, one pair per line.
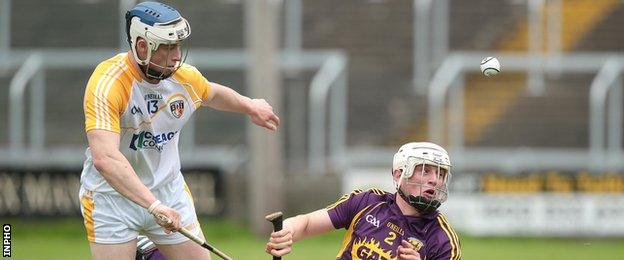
159, 72
158, 24
423, 159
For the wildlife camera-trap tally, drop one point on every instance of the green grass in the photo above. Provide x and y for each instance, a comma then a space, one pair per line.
542, 248
65, 239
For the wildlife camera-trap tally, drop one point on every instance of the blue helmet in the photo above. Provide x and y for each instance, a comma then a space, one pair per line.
158, 24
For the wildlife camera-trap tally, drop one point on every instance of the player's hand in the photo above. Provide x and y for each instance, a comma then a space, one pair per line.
167, 218
406, 251
280, 243
262, 114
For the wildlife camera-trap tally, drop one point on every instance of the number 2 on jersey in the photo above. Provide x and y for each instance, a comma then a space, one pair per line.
152, 106
390, 238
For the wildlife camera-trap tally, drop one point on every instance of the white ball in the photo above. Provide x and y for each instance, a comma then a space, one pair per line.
490, 66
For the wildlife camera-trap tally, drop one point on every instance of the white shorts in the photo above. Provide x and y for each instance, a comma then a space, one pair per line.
114, 219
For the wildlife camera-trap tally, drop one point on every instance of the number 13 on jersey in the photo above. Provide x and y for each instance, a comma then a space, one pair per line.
152, 106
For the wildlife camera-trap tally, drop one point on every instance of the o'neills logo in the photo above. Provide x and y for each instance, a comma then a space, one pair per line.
177, 108
148, 140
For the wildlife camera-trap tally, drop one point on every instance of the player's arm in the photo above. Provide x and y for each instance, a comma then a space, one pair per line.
297, 228
227, 99
120, 175
307, 225
116, 169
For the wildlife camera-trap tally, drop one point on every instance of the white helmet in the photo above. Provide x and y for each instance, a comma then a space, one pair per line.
413, 154
158, 24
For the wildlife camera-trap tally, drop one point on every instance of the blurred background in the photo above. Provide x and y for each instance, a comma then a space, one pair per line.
537, 150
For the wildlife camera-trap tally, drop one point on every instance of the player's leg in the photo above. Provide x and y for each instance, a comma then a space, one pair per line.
110, 222
185, 250
123, 251
176, 246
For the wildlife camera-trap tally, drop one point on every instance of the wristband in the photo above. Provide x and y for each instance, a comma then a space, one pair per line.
153, 206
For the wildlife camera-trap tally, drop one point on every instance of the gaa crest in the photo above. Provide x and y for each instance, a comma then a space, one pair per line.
416, 243
177, 108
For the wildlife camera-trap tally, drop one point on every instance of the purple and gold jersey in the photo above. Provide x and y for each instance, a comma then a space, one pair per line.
375, 227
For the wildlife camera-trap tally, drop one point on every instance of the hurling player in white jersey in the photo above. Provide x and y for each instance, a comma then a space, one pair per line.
135, 105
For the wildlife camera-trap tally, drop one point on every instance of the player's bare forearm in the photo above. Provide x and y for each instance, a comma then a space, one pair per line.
116, 169
259, 111
123, 179
297, 226
227, 99
311, 224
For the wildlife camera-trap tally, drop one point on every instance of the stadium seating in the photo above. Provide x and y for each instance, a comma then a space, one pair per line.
383, 106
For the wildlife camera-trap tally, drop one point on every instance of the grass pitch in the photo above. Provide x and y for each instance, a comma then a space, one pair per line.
66, 239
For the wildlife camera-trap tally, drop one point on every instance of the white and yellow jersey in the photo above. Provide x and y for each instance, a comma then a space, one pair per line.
148, 118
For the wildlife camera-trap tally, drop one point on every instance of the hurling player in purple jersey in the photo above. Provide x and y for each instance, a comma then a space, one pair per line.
381, 225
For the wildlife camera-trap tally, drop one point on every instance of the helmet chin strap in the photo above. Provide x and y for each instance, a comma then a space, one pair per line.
154, 74
151, 73
420, 203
